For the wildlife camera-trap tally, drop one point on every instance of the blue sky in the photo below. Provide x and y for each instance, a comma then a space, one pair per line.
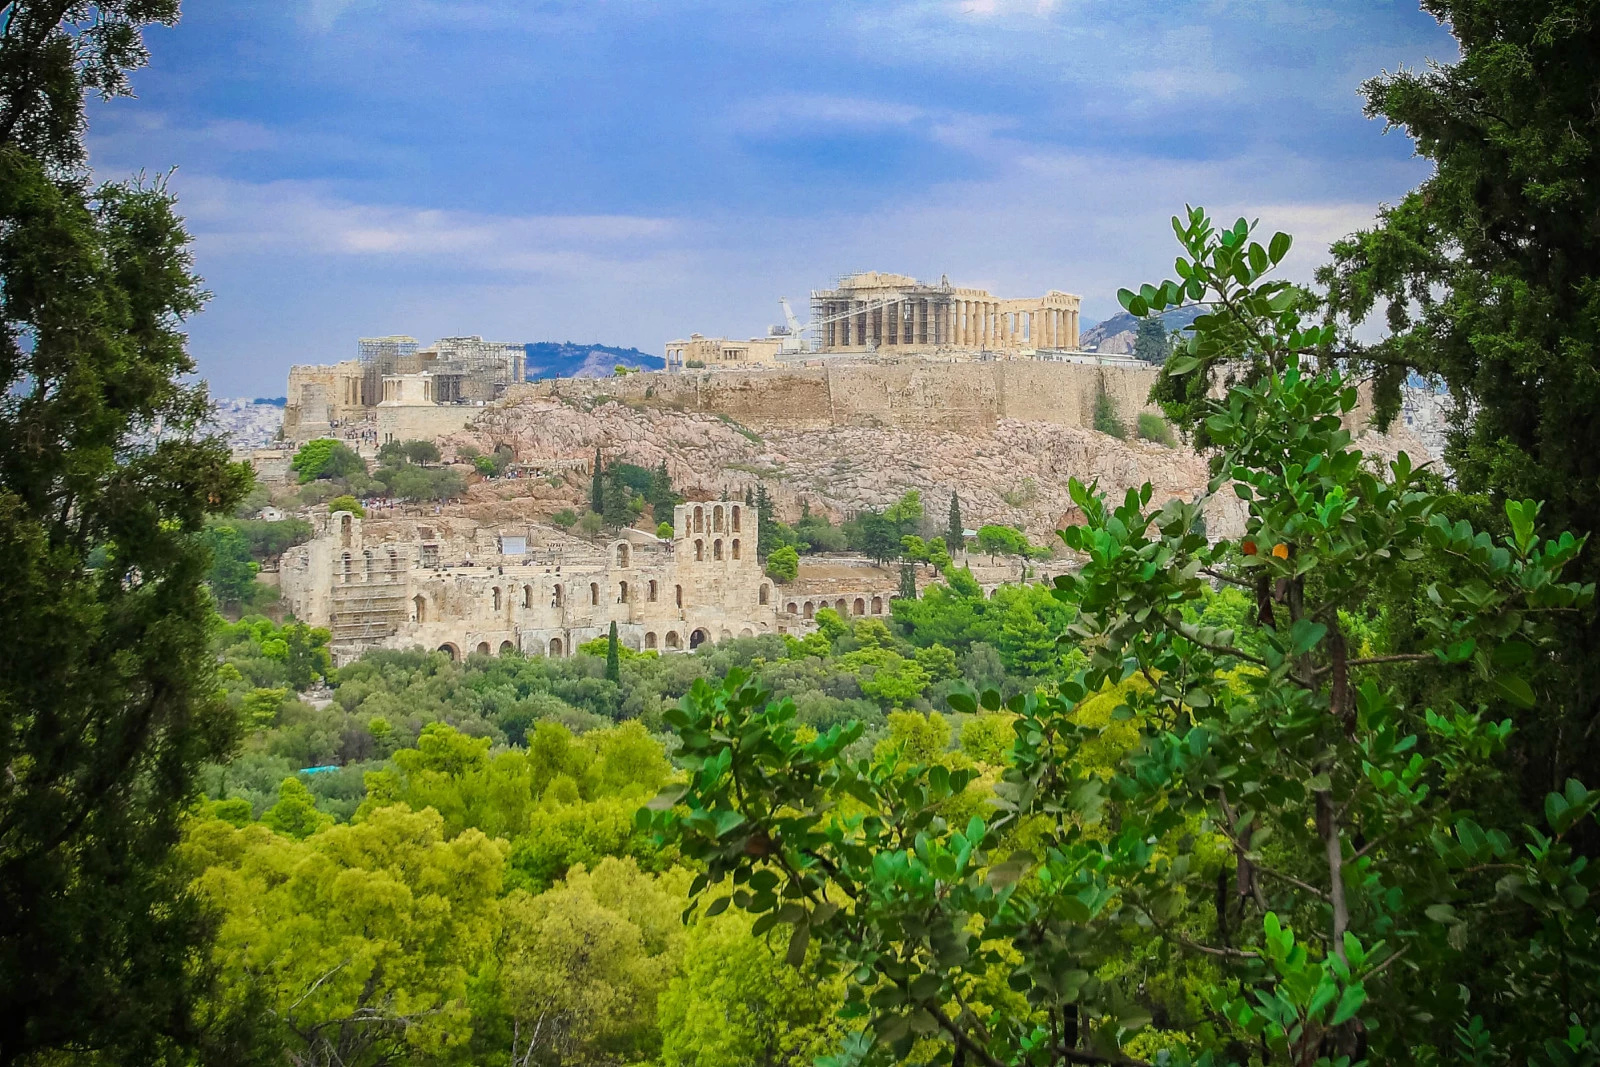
625, 172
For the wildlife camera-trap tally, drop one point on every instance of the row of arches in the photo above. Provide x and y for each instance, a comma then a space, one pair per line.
671, 641
626, 593
859, 606
716, 549
698, 518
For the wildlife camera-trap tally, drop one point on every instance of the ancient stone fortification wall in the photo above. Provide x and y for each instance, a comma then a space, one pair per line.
908, 395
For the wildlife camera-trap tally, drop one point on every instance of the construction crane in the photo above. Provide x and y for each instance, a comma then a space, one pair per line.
792, 332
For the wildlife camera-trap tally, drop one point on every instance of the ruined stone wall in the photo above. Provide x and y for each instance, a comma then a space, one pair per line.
905, 395
447, 582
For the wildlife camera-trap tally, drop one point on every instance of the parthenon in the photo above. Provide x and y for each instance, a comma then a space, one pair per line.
875, 311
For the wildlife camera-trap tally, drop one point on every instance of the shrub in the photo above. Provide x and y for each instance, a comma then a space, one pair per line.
346, 502
1154, 428
1105, 415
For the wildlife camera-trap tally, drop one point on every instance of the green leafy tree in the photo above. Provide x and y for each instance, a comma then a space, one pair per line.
997, 540
233, 573
784, 564
1485, 278
484, 465
880, 540
584, 964
355, 945
346, 502
663, 531
326, 458
1257, 806
954, 537
737, 1002
109, 702
906, 513
597, 485
1150, 342
295, 814
421, 451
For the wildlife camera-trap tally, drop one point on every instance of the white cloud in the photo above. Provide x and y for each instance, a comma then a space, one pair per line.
234, 218
789, 110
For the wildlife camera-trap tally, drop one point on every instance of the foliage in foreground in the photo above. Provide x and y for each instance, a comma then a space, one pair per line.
1242, 832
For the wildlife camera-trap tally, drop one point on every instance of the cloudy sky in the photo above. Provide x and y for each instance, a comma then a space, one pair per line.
628, 171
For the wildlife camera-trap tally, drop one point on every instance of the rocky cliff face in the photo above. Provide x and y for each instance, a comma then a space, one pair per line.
1015, 473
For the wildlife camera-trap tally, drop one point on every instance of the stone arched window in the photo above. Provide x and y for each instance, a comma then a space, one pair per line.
735, 548
594, 593
649, 639
650, 591
497, 598
838, 606
450, 650
716, 519
622, 555
345, 526
346, 559
483, 648
527, 596
367, 558
677, 595
699, 550
877, 605
791, 607
716, 549
622, 592
674, 642
420, 604
555, 598
765, 593
699, 520
507, 646
736, 518
810, 611
860, 606
555, 646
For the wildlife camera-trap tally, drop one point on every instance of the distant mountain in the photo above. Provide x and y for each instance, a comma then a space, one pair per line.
563, 359
1115, 335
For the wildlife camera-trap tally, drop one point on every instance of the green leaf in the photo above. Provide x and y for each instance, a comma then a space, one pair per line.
1350, 1003
1278, 247
1181, 365
718, 906
1441, 913
1515, 689
669, 796
1011, 870
798, 942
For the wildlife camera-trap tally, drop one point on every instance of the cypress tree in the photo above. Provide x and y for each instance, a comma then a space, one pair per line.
908, 581
766, 524
597, 488
613, 657
953, 536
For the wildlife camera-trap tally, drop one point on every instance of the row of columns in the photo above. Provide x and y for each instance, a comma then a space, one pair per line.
925, 321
